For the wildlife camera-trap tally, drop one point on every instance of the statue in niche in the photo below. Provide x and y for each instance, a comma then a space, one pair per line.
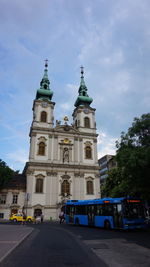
58, 122
65, 154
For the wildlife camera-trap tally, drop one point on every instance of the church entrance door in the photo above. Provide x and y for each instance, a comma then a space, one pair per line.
37, 212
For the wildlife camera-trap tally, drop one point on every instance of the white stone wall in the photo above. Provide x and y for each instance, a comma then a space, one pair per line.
6, 208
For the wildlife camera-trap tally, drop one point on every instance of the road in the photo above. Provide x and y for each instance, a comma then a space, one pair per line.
51, 244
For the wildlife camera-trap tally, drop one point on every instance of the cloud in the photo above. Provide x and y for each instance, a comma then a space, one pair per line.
112, 42
106, 144
19, 156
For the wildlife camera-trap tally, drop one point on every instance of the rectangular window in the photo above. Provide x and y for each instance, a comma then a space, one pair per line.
3, 199
15, 199
1, 215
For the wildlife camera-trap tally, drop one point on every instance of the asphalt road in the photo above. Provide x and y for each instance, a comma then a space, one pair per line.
66, 245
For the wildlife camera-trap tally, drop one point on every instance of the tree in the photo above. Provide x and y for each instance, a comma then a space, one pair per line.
5, 173
132, 176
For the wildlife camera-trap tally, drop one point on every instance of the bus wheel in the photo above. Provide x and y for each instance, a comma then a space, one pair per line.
14, 220
77, 221
107, 225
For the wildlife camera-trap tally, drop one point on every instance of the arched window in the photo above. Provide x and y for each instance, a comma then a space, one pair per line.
41, 149
89, 187
88, 152
86, 122
65, 188
39, 185
43, 116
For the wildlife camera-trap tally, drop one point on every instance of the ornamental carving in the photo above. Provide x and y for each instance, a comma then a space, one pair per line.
42, 139
65, 176
89, 178
88, 143
40, 175
51, 173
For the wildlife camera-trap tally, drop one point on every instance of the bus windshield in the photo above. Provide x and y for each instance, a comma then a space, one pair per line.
133, 210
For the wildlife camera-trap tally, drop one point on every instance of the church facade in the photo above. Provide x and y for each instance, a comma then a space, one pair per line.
63, 161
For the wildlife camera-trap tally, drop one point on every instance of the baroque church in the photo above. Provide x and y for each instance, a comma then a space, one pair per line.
63, 160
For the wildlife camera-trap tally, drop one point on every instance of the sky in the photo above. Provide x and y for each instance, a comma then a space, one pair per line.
110, 38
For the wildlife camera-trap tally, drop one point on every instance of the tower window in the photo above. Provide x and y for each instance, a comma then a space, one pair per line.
86, 122
43, 116
65, 188
41, 149
39, 185
88, 152
89, 187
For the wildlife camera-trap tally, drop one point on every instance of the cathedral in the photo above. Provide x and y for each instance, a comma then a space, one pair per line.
63, 160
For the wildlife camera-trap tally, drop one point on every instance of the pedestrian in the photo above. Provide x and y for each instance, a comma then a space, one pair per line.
61, 217
24, 218
42, 218
38, 219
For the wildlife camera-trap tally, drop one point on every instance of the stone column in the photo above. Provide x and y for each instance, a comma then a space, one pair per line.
80, 150
76, 150
55, 148
32, 146
50, 147
95, 151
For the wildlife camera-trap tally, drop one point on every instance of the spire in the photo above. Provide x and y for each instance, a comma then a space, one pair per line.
83, 98
45, 92
82, 77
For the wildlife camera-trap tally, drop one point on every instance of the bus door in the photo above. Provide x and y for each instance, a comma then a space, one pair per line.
118, 223
70, 212
91, 214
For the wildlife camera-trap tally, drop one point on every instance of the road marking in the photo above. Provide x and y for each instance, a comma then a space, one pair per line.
119, 252
8, 242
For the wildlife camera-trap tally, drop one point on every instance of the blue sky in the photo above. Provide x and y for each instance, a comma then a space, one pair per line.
110, 38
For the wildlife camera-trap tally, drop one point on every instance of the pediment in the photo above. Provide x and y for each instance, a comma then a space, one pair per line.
66, 128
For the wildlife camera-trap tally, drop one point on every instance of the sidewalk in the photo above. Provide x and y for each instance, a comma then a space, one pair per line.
10, 237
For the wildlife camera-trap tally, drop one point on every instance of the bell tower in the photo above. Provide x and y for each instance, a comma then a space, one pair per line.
43, 117
84, 115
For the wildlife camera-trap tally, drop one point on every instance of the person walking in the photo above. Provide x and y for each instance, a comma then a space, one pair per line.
61, 217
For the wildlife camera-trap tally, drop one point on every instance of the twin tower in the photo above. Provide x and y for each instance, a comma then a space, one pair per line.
63, 161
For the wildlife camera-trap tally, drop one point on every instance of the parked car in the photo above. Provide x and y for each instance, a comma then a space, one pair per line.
19, 217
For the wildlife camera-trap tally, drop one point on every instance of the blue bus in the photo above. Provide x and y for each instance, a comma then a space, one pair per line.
110, 213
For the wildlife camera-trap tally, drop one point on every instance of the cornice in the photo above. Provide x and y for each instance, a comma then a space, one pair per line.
62, 166
54, 132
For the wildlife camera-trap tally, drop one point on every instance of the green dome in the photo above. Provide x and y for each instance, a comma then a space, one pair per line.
44, 92
83, 98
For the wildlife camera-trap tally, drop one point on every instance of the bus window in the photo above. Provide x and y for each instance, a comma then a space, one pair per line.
119, 208
108, 209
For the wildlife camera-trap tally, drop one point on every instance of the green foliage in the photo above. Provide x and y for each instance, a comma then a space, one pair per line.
5, 173
132, 177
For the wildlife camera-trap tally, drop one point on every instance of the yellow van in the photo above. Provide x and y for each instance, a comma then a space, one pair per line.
18, 217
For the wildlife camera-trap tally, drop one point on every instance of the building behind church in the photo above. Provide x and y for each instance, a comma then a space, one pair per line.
63, 161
